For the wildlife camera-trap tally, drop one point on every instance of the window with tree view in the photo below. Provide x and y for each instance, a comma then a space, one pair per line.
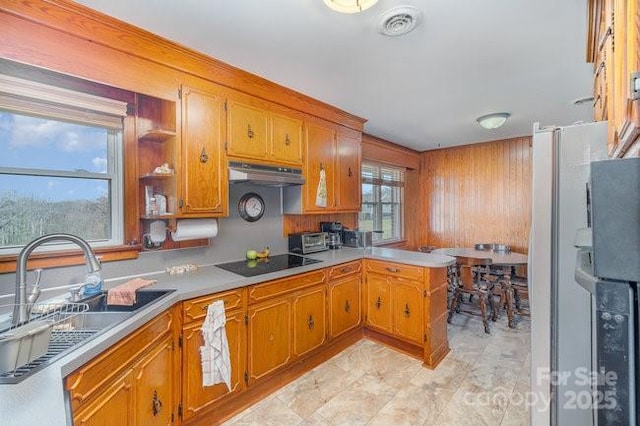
58, 175
382, 202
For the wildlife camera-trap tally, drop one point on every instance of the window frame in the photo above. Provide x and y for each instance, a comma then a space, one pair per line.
378, 205
18, 96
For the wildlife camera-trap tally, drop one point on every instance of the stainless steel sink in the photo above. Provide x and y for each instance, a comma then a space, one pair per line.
83, 327
98, 303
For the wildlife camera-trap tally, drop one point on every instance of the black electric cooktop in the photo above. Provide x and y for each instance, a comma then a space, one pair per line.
279, 262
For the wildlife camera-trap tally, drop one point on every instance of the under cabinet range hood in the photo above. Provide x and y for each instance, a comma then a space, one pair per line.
264, 175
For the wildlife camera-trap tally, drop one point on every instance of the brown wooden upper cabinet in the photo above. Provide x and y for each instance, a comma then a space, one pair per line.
335, 150
286, 139
348, 161
613, 49
257, 131
204, 165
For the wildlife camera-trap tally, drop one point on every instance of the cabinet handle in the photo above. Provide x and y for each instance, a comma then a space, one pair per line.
347, 307
287, 141
390, 269
249, 131
346, 269
321, 166
311, 323
350, 174
203, 155
406, 310
156, 404
378, 303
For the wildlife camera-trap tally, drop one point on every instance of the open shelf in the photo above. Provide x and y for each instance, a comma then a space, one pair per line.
157, 135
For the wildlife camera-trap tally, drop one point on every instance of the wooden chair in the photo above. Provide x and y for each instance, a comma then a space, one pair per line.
479, 289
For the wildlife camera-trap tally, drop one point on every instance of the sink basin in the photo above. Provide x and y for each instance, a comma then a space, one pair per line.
98, 303
99, 320
82, 327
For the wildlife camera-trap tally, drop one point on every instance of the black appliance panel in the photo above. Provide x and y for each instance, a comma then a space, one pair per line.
280, 262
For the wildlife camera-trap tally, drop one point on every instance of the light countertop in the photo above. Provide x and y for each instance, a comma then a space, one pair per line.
40, 398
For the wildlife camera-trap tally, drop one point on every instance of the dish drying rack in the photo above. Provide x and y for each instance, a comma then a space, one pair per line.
48, 332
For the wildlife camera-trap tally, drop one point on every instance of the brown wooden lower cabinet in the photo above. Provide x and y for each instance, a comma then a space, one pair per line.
408, 303
133, 383
344, 304
196, 397
115, 406
378, 303
276, 330
270, 335
309, 320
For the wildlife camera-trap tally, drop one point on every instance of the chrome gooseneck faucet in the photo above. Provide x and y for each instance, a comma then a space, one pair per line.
24, 303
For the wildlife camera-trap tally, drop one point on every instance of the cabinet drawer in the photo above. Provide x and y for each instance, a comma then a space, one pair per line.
271, 289
194, 309
395, 269
345, 269
88, 379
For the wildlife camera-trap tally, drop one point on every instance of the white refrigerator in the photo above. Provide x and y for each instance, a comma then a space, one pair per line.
560, 307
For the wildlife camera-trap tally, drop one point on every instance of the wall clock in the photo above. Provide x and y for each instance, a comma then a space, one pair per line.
251, 207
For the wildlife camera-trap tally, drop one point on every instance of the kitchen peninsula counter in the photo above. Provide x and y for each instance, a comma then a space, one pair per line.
40, 398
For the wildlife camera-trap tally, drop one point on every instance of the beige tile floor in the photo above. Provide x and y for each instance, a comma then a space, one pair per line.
481, 382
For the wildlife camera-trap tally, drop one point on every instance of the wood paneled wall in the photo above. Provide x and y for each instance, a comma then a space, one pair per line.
478, 193
311, 222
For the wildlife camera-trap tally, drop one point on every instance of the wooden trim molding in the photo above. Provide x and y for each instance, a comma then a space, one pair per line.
69, 258
383, 151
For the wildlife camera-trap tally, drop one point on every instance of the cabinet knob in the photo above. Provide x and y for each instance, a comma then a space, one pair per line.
249, 131
378, 303
350, 173
406, 310
287, 141
345, 269
390, 269
156, 404
347, 307
204, 157
311, 323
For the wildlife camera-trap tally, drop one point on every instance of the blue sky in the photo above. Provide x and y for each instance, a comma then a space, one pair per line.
30, 142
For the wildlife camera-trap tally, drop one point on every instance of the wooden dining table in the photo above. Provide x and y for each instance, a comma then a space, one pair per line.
498, 258
507, 260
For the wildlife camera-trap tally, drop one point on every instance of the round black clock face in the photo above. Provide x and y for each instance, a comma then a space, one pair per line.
251, 207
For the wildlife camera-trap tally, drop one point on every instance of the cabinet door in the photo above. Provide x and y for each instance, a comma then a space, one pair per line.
344, 310
247, 126
269, 337
309, 322
196, 396
319, 154
204, 168
113, 406
286, 139
626, 60
153, 383
378, 299
348, 173
408, 311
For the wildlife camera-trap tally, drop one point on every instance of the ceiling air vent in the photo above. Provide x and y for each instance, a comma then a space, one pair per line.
398, 20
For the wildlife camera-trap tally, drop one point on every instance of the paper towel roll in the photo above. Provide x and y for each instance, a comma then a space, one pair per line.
194, 229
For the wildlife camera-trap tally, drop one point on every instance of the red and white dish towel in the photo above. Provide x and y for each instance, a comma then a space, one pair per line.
125, 294
214, 355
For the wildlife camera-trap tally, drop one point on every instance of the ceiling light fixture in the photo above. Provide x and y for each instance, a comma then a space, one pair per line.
350, 6
493, 121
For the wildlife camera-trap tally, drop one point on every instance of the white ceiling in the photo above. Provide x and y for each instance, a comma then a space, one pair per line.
422, 90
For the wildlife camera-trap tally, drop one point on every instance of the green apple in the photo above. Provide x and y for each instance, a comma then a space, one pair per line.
252, 254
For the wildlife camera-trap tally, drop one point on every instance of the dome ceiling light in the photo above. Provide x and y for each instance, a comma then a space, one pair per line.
493, 121
350, 6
